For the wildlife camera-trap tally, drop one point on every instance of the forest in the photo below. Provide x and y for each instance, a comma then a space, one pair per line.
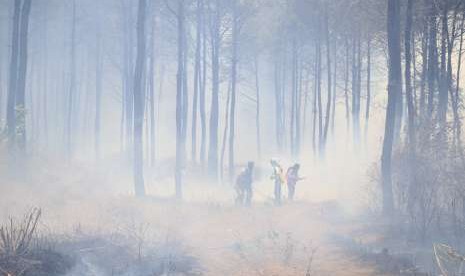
232, 137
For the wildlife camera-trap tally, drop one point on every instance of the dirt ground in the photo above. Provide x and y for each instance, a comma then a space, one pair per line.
107, 232
293, 239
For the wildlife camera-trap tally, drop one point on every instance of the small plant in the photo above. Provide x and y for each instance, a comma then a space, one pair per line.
310, 252
276, 252
15, 242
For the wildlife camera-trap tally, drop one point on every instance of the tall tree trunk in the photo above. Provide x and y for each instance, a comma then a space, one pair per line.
356, 90
203, 116
414, 74
257, 110
314, 102
318, 93
457, 119
293, 111
128, 71
424, 72
98, 93
123, 114
333, 104
443, 89
450, 47
214, 110
185, 92
139, 98
278, 102
306, 91
45, 82
1, 88
72, 89
368, 100
232, 117
409, 94
225, 132
432, 61
197, 81
13, 77
329, 84
394, 90
181, 104
346, 85
298, 123
151, 91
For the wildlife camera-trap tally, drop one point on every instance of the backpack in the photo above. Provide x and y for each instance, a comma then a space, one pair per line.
241, 179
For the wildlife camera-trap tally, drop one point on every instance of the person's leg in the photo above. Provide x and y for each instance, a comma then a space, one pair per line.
248, 197
277, 192
291, 190
239, 196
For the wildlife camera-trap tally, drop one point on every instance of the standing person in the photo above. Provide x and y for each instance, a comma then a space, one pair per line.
244, 192
278, 178
292, 176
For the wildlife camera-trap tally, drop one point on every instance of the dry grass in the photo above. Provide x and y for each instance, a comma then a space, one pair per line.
208, 230
15, 242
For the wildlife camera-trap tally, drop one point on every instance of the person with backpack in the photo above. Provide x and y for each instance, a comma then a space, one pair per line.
244, 191
292, 177
279, 180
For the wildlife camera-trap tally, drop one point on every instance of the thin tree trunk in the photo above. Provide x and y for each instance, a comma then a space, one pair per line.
409, 94
329, 84
180, 101
152, 89
197, 82
203, 116
394, 90
278, 103
293, 111
306, 84
214, 110
346, 86
225, 132
1, 89
72, 89
257, 111
356, 90
185, 93
432, 61
128, 67
457, 100
443, 89
139, 99
450, 47
424, 72
232, 117
368, 100
333, 104
98, 94
13, 77
314, 103
45, 88
298, 122
414, 73
318, 92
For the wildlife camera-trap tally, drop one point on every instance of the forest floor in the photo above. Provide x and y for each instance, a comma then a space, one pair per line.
117, 234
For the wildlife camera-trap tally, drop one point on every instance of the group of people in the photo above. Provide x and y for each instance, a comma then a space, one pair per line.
243, 186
